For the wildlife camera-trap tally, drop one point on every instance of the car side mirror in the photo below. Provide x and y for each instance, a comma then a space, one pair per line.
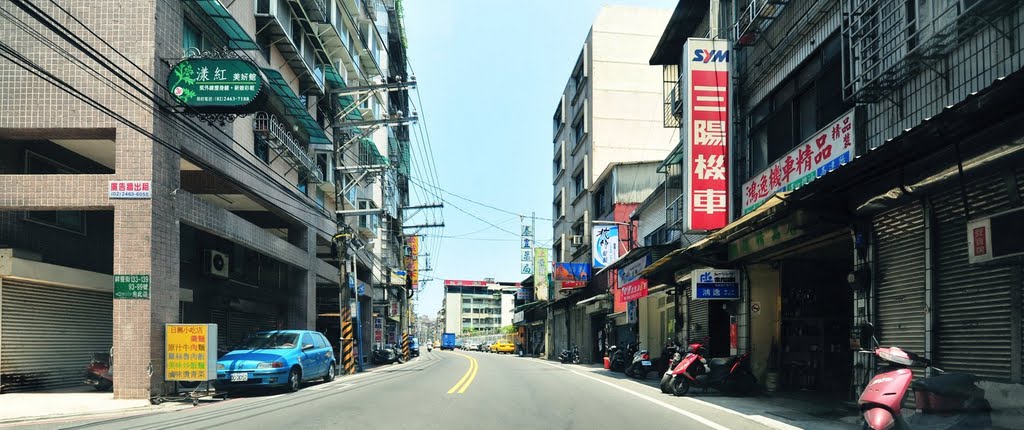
307, 347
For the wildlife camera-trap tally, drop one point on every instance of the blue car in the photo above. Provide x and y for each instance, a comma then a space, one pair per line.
282, 358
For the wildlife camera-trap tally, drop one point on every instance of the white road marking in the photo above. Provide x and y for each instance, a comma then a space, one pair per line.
757, 418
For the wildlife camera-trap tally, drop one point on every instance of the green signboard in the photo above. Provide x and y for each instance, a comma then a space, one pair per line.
131, 286
221, 83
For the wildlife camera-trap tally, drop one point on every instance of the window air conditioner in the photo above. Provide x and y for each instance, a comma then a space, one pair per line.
215, 263
995, 237
577, 241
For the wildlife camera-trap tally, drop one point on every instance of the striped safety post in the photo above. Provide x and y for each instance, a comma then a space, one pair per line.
405, 346
347, 341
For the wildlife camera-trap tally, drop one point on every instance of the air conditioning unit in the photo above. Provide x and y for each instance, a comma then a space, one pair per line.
215, 263
577, 241
996, 237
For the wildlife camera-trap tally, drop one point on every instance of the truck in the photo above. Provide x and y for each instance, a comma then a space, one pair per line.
448, 341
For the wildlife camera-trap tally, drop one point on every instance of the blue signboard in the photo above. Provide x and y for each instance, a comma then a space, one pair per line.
714, 284
572, 272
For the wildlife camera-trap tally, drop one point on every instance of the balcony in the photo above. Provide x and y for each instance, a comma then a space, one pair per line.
673, 105
889, 44
316, 10
268, 128
675, 213
278, 26
755, 20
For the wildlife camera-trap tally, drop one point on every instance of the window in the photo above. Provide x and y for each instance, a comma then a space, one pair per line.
579, 78
579, 131
557, 206
306, 340
577, 183
601, 201
557, 164
656, 237
577, 227
73, 221
303, 183
318, 341
261, 148
810, 98
191, 37
557, 120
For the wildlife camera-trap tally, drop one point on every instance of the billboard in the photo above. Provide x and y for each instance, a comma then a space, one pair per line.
191, 353
707, 169
579, 272
823, 152
606, 245
540, 273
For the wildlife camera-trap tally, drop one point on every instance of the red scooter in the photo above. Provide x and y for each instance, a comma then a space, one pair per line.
945, 401
99, 373
693, 350
730, 375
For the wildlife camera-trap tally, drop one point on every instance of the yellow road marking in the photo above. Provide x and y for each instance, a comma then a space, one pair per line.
468, 377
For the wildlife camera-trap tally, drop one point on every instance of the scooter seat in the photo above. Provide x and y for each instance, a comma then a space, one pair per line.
719, 362
948, 384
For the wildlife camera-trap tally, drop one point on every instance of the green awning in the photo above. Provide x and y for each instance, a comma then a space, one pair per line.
333, 77
369, 155
237, 37
294, 108
674, 157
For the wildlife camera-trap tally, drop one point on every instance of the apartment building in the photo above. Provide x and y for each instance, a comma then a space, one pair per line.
477, 306
123, 208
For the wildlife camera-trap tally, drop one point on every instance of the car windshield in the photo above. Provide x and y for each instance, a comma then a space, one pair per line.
269, 340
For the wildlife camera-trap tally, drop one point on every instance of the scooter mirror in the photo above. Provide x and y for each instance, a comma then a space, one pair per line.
867, 334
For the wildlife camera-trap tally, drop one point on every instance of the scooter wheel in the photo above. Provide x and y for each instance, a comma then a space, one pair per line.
666, 386
680, 386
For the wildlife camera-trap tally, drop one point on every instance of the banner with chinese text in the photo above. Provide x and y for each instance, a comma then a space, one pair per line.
707, 139
540, 273
191, 352
412, 263
823, 152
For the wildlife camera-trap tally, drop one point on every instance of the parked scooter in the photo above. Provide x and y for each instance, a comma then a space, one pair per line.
99, 372
387, 355
696, 365
570, 355
641, 364
730, 375
945, 401
617, 356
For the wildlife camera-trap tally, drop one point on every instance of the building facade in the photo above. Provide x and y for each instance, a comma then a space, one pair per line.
864, 148
232, 220
478, 307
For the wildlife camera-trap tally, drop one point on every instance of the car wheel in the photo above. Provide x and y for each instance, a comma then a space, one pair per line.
294, 379
330, 373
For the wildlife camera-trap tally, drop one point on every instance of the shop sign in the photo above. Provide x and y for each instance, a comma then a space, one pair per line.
606, 245
706, 118
568, 285
634, 290
632, 313
397, 277
632, 270
572, 272
224, 83
540, 272
715, 284
519, 316
131, 286
763, 239
412, 263
459, 283
823, 152
129, 190
378, 329
191, 352
393, 314
525, 294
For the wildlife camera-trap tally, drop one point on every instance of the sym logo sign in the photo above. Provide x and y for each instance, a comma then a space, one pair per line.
710, 56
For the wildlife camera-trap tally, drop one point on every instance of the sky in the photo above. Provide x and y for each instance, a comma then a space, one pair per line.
489, 75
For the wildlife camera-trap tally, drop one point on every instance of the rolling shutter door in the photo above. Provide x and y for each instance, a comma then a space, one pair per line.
972, 319
697, 314
50, 333
900, 249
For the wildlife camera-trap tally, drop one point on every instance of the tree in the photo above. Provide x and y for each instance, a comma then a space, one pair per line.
508, 329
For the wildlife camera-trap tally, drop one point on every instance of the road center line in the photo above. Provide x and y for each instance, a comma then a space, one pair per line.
475, 367
465, 378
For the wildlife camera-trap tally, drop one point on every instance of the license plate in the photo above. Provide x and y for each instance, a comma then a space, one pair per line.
645, 363
239, 377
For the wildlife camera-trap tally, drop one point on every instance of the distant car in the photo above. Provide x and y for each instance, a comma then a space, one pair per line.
486, 346
414, 347
281, 358
503, 346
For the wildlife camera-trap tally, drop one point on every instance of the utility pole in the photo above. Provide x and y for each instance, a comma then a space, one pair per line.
346, 280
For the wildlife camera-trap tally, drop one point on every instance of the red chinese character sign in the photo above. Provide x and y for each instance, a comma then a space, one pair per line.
823, 152
707, 174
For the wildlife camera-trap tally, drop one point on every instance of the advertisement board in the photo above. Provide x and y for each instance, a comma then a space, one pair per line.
707, 96
226, 84
715, 284
412, 263
634, 290
823, 152
540, 273
605, 242
190, 352
572, 272
129, 190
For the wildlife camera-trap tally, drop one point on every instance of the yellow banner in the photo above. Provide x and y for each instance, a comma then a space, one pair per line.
412, 264
190, 352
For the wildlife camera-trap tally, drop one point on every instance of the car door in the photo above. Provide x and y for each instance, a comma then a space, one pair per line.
328, 350
323, 351
311, 367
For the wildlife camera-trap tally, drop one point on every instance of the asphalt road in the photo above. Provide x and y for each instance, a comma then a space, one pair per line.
457, 390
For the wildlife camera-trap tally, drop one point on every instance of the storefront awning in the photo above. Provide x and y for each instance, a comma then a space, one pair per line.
237, 37
293, 107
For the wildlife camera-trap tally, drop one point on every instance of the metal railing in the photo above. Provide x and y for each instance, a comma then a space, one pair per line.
282, 142
675, 212
755, 19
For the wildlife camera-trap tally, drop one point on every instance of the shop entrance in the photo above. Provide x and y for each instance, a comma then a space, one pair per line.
718, 328
817, 308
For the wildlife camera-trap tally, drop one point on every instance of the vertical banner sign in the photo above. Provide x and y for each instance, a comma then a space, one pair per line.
540, 273
606, 245
707, 171
412, 264
191, 353
526, 265
378, 330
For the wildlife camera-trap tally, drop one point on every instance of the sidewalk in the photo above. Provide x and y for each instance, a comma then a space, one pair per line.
793, 409
71, 402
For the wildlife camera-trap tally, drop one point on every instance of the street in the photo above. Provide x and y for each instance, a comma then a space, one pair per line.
460, 390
